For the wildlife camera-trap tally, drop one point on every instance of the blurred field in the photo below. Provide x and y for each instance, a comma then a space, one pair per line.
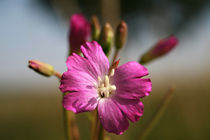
39, 116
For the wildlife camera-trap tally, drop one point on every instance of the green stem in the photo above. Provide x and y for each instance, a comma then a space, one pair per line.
71, 129
158, 114
97, 128
70, 126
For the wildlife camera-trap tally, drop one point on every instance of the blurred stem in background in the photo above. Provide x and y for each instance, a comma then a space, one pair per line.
158, 114
70, 126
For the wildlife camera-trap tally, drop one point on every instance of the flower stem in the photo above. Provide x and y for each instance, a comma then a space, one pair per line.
159, 112
115, 55
97, 128
70, 126
58, 75
71, 129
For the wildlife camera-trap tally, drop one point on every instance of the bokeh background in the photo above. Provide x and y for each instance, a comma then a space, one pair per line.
30, 104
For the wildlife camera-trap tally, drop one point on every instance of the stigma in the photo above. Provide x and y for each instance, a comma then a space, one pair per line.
105, 88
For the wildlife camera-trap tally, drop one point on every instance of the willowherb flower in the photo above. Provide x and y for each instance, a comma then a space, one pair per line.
161, 48
114, 91
80, 30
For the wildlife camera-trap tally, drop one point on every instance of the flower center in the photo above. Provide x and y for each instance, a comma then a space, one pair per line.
104, 86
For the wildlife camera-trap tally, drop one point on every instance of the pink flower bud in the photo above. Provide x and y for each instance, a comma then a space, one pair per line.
41, 68
80, 30
161, 48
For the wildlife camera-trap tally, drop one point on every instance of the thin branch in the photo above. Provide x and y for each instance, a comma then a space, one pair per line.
158, 114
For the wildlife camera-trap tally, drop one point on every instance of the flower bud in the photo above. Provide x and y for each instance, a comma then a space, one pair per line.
42, 68
161, 48
95, 28
106, 37
121, 35
79, 32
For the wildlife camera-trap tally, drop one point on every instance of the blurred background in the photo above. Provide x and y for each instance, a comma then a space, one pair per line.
30, 104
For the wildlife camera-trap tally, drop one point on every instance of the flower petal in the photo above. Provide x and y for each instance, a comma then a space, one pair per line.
94, 62
133, 109
93, 52
128, 82
73, 80
111, 117
80, 101
80, 64
131, 69
83, 95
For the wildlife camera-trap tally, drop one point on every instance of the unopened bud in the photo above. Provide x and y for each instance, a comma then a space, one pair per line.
106, 37
79, 32
121, 35
41, 68
161, 48
95, 28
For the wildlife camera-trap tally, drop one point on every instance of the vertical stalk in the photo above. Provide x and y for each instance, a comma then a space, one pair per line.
97, 128
71, 129
115, 55
70, 126
158, 114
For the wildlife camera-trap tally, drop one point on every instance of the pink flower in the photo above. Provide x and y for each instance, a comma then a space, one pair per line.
79, 32
114, 92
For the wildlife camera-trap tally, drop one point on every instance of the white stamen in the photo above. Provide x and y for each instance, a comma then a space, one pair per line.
99, 79
111, 73
113, 87
104, 86
106, 82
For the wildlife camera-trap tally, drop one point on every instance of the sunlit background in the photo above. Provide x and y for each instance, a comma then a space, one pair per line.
37, 29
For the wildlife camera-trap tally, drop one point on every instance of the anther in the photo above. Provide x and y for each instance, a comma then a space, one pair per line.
111, 73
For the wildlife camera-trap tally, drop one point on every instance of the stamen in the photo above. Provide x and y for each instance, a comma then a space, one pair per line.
99, 79
106, 82
104, 86
111, 73
112, 87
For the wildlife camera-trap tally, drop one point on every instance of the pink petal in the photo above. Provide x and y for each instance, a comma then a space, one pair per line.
73, 80
83, 95
128, 82
111, 117
94, 62
131, 69
81, 101
81, 64
133, 109
93, 52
